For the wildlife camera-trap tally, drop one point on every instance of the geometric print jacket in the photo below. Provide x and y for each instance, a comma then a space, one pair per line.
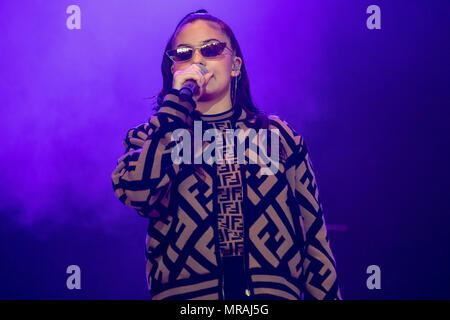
287, 250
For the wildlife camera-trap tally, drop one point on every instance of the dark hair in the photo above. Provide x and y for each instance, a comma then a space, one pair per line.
256, 118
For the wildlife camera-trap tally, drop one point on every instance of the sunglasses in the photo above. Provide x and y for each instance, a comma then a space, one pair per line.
209, 50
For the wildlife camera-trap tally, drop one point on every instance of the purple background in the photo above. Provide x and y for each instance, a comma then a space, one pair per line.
371, 104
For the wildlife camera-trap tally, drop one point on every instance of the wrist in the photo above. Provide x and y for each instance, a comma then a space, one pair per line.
173, 105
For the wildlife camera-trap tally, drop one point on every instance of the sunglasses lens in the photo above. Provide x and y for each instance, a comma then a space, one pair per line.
208, 51
213, 49
181, 54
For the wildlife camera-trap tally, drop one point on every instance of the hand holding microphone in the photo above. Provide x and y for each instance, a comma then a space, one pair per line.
191, 81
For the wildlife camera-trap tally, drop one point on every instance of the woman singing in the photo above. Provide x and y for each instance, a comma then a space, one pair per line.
223, 229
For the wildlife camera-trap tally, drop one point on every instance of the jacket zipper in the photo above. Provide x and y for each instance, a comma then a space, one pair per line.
246, 267
216, 238
248, 290
219, 257
221, 286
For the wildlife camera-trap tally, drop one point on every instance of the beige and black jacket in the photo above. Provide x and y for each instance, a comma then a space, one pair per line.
286, 246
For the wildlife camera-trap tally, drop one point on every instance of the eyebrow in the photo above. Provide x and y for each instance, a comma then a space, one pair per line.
204, 41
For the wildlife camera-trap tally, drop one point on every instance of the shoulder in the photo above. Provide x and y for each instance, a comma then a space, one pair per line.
287, 132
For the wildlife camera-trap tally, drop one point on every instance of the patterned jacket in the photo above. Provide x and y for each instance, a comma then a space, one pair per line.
287, 250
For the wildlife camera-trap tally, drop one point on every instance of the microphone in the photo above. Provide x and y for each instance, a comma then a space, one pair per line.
190, 86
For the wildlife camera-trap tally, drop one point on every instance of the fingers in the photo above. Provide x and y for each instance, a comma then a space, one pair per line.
201, 78
191, 72
208, 76
198, 74
203, 83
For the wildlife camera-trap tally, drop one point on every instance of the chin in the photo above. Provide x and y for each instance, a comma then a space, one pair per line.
206, 97
211, 93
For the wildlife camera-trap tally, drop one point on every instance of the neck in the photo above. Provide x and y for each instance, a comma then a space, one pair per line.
215, 105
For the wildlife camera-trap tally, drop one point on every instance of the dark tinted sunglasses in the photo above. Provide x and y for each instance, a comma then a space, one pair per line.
209, 50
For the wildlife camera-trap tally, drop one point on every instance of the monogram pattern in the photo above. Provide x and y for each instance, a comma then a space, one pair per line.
287, 248
230, 193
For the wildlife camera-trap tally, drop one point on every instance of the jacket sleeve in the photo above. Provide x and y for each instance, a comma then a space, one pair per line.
143, 176
319, 266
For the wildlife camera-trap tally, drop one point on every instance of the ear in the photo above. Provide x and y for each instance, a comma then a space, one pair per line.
171, 69
236, 67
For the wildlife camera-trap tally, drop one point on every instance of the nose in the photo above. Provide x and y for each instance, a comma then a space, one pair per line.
197, 57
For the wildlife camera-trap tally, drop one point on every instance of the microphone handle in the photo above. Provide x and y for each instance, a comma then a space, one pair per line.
190, 86
188, 89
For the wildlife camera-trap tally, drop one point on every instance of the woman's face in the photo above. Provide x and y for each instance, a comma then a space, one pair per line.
199, 32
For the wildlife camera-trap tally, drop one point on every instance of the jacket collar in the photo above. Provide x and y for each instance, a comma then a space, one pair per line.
237, 113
